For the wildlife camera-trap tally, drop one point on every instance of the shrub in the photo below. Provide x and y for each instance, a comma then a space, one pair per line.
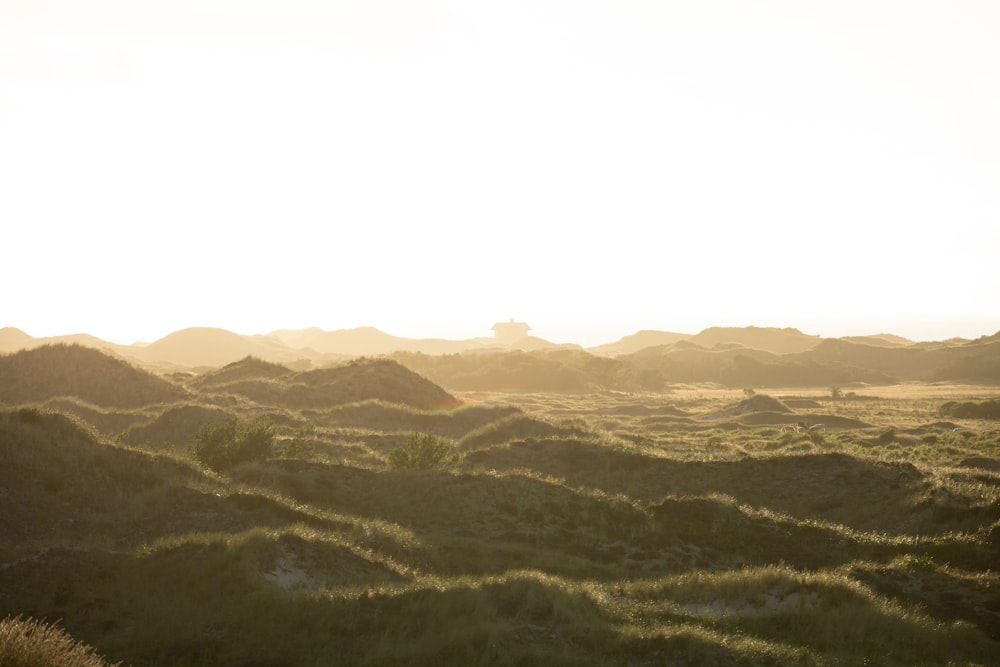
31, 643
424, 451
222, 446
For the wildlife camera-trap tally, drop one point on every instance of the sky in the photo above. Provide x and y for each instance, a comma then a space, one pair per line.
429, 168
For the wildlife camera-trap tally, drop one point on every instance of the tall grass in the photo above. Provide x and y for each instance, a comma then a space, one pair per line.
28, 642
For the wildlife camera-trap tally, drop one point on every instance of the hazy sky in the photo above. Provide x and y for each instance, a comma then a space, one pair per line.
430, 168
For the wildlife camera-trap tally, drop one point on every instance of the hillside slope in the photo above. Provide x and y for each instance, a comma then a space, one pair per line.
50, 371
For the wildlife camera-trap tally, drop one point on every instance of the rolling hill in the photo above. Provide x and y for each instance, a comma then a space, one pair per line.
646, 360
208, 346
52, 371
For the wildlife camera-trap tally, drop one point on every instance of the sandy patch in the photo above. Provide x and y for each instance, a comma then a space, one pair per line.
767, 604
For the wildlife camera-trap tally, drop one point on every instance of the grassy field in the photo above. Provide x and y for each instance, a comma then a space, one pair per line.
694, 526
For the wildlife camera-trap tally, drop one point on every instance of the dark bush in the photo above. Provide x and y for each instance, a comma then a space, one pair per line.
424, 451
222, 446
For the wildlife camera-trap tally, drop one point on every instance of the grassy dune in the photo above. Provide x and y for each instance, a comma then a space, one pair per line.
583, 529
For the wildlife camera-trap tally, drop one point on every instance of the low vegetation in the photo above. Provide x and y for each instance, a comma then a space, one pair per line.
424, 451
222, 446
696, 525
27, 642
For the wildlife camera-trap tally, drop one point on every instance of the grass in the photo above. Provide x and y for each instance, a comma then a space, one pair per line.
28, 642
599, 528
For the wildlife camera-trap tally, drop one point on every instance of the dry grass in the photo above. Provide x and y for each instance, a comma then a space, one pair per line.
604, 528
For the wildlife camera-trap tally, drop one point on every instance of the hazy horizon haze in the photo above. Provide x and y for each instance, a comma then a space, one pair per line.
428, 169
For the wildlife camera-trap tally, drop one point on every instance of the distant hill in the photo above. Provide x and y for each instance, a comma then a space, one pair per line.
12, 339
637, 341
513, 370
359, 380
879, 340
50, 371
208, 346
369, 341
977, 360
738, 366
248, 368
751, 356
768, 339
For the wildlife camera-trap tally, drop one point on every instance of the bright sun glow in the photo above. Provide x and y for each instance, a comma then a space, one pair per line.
591, 168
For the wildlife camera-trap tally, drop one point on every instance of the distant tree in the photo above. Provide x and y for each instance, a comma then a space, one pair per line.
222, 446
836, 393
424, 451
749, 392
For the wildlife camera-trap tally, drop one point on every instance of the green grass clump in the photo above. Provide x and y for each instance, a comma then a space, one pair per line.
424, 451
222, 446
27, 642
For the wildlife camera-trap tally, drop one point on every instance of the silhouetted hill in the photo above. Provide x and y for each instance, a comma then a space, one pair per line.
208, 346
49, 371
244, 369
768, 339
747, 356
12, 339
369, 341
738, 366
879, 340
971, 360
638, 341
516, 370
359, 380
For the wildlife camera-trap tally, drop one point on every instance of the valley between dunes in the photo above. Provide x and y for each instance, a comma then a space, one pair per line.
688, 502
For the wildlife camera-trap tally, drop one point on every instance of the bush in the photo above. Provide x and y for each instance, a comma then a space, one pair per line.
31, 643
222, 446
424, 451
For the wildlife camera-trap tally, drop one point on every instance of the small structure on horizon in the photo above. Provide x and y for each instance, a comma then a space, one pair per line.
508, 332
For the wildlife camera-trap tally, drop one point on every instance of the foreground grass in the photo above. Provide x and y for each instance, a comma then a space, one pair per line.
576, 530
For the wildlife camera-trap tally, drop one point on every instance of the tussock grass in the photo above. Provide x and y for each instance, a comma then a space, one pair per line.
28, 642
